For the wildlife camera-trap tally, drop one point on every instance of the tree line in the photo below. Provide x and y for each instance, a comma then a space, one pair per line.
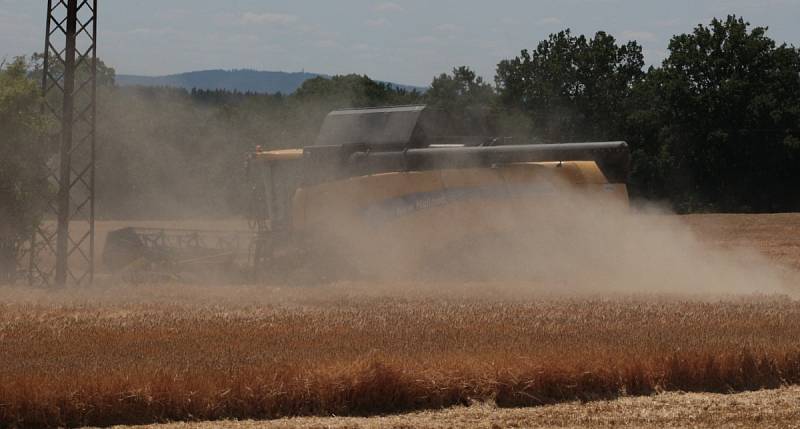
714, 127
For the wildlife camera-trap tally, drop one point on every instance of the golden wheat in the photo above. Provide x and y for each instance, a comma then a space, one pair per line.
317, 352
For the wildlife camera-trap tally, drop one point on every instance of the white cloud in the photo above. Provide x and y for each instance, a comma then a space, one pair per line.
159, 32
550, 20
326, 44
654, 55
375, 23
425, 40
666, 23
268, 18
387, 7
241, 38
447, 28
639, 35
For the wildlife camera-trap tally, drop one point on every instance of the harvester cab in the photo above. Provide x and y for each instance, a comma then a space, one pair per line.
377, 177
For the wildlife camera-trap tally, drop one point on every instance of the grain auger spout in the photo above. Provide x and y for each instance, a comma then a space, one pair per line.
611, 157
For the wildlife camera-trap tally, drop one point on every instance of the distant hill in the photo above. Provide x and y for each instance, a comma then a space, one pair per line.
269, 82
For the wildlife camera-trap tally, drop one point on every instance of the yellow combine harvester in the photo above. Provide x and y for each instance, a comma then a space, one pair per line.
404, 189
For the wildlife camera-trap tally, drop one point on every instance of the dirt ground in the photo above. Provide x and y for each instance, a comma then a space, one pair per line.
772, 408
775, 235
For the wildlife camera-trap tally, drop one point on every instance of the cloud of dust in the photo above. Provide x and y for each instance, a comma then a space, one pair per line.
168, 154
568, 240
162, 159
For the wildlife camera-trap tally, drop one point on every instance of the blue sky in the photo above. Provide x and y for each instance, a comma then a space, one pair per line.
406, 41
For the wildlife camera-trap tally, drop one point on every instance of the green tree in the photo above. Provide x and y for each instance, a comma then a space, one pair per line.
464, 104
22, 152
728, 98
105, 75
573, 87
352, 91
460, 91
308, 106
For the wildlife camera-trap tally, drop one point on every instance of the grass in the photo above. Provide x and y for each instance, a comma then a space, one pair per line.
177, 353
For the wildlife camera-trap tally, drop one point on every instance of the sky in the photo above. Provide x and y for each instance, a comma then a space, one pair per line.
403, 41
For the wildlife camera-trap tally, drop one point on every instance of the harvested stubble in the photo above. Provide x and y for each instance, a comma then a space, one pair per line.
273, 353
773, 408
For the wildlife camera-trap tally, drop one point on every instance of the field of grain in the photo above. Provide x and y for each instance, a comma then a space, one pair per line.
120, 354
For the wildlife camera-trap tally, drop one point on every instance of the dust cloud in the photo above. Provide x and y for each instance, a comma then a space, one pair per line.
571, 240
567, 241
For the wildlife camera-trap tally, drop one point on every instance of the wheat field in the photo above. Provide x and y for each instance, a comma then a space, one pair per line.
121, 354
85, 364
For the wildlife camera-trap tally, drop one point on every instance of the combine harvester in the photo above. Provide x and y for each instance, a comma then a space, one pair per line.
399, 190
406, 190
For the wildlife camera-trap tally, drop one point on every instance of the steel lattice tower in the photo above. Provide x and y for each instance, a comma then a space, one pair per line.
63, 253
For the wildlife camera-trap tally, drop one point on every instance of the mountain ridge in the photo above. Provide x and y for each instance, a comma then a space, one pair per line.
241, 80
